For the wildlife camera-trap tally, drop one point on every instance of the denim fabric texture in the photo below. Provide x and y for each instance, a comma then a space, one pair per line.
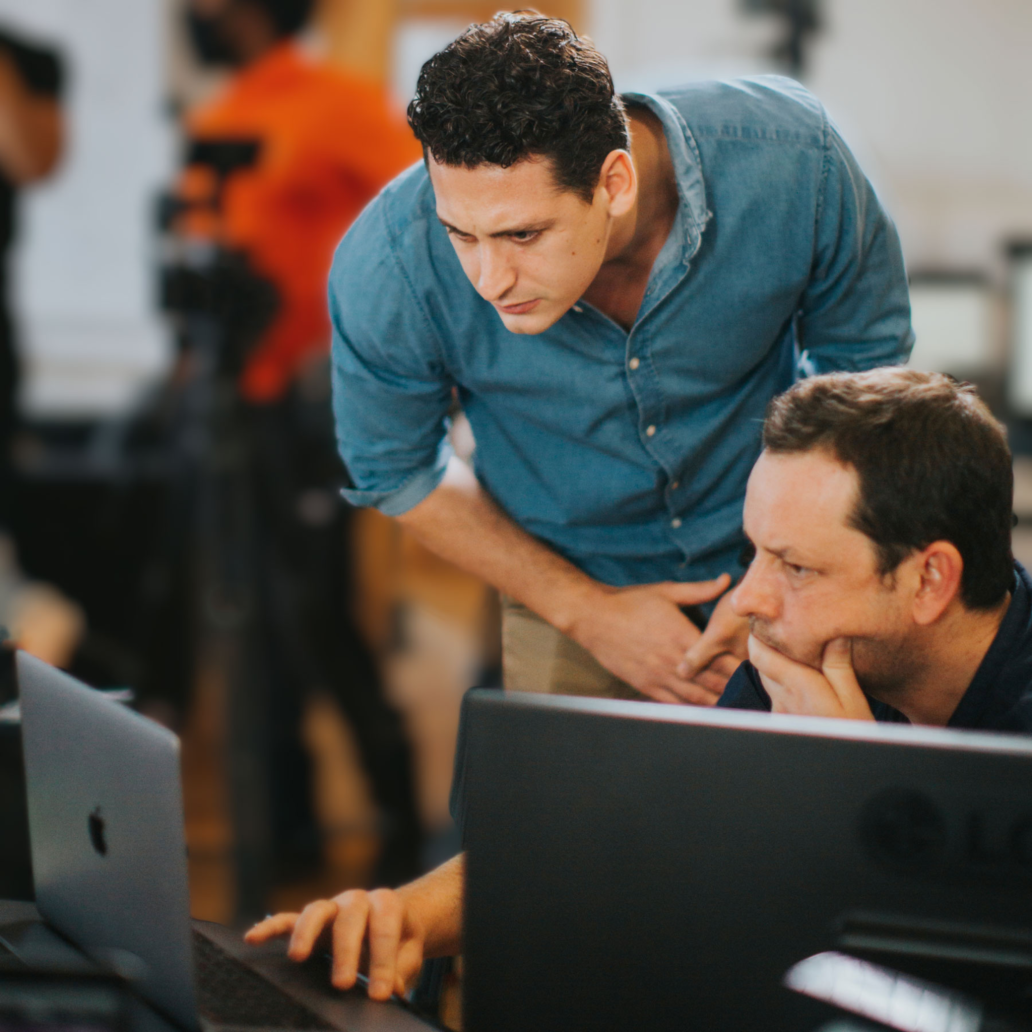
626, 452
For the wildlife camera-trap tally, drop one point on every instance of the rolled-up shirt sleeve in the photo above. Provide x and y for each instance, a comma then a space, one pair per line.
855, 312
391, 392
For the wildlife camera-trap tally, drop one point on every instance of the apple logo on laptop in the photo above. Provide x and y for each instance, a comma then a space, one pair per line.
96, 826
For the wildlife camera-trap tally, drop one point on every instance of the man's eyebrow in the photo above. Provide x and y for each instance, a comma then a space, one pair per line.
789, 555
536, 227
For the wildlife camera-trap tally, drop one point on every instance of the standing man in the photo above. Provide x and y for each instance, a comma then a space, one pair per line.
615, 287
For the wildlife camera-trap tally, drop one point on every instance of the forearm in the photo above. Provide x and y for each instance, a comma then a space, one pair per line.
460, 522
436, 900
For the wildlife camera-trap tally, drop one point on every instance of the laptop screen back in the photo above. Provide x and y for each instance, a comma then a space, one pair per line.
106, 828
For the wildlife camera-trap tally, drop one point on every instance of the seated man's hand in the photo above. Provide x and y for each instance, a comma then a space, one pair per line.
377, 927
716, 655
832, 691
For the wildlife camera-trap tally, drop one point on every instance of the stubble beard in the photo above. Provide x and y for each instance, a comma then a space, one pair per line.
884, 668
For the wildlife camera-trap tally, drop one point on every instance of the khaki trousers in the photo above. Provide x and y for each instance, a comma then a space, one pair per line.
538, 658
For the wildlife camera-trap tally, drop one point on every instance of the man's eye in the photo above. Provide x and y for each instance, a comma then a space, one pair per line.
524, 236
796, 571
747, 554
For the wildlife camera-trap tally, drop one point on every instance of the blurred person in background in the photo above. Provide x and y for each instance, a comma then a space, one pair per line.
38, 617
328, 141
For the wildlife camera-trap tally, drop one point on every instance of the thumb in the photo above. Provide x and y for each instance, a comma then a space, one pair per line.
694, 592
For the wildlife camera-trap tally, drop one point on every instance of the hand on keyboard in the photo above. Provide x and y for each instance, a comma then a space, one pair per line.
379, 929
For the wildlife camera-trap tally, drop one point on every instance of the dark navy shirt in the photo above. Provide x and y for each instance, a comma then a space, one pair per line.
999, 697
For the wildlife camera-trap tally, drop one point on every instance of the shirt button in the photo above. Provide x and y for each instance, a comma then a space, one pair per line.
649, 431
634, 363
675, 522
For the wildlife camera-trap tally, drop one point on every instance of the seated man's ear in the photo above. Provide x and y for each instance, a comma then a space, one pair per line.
939, 568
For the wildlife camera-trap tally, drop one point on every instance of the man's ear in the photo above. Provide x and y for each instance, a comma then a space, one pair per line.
939, 568
619, 182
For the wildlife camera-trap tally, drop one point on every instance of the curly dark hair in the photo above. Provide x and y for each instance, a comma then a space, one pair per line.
933, 465
516, 86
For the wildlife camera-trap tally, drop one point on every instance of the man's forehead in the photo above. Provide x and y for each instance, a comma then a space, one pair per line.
525, 189
799, 499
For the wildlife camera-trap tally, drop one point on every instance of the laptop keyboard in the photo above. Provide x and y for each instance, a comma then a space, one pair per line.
231, 993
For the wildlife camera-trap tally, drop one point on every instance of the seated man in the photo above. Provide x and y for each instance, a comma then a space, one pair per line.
882, 587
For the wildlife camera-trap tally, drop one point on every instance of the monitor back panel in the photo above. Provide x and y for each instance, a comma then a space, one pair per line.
666, 871
106, 828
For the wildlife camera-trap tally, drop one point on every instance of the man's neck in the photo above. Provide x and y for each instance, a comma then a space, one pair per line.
954, 650
637, 237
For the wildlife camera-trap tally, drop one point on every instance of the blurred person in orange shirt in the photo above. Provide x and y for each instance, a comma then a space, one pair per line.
328, 141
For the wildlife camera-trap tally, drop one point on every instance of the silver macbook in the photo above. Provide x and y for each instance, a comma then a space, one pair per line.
110, 868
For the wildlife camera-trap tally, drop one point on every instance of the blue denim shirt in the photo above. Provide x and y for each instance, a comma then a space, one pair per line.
626, 452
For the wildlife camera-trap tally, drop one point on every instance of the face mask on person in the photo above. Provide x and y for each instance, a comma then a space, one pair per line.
207, 40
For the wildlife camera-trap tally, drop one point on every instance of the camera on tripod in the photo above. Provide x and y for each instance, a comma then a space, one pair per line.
204, 280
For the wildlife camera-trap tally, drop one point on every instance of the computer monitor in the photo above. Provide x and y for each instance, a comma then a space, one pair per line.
638, 866
954, 323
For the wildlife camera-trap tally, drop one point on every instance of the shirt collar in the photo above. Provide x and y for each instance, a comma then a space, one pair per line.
692, 212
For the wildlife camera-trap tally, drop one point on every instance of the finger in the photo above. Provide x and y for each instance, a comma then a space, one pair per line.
384, 939
838, 656
837, 667
698, 657
712, 680
691, 692
694, 592
309, 926
725, 665
769, 661
278, 924
349, 931
410, 963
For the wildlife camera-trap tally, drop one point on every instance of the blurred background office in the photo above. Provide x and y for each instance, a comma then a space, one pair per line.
145, 490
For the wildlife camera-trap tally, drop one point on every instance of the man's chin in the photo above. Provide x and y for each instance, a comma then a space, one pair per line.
540, 319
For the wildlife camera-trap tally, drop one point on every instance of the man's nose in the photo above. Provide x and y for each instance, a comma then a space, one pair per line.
754, 595
496, 277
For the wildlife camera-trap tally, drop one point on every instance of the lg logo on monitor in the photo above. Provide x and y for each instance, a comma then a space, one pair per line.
907, 832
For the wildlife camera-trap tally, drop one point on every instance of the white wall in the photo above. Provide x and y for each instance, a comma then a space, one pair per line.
84, 273
934, 95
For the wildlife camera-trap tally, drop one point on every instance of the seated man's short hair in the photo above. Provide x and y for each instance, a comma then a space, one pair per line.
933, 464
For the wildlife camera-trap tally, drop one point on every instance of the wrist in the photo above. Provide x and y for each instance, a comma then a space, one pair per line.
576, 606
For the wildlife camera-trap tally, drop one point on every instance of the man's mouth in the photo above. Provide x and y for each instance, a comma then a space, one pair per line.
520, 309
761, 632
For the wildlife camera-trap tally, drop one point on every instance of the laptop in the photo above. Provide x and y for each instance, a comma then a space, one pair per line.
637, 866
110, 870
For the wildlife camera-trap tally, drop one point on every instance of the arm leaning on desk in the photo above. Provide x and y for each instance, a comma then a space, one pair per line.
400, 927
